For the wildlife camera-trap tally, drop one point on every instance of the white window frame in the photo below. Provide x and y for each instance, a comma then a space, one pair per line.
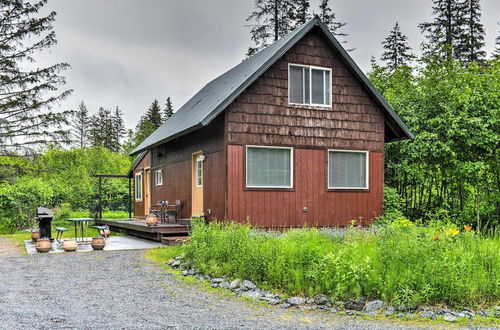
199, 162
367, 168
160, 176
268, 147
329, 105
138, 175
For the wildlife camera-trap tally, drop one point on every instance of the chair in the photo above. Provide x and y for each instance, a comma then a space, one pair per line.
60, 232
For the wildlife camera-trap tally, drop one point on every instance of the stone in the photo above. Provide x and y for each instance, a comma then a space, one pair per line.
372, 313
214, 285
180, 257
247, 285
175, 264
252, 294
388, 313
374, 305
333, 310
401, 315
349, 313
356, 304
449, 317
309, 301
427, 314
192, 271
273, 301
234, 284
296, 301
224, 285
170, 262
285, 305
321, 299
217, 280
185, 273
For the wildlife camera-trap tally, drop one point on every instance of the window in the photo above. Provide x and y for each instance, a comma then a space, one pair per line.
309, 85
138, 187
347, 169
159, 177
199, 171
269, 167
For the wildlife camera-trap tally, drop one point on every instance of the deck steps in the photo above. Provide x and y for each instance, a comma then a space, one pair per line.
174, 240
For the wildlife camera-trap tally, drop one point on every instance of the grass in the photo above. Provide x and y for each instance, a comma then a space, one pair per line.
402, 264
105, 214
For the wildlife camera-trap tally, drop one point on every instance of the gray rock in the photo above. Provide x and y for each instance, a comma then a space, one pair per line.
349, 313
214, 285
175, 264
170, 262
333, 310
357, 304
449, 317
401, 315
286, 305
217, 280
390, 309
309, 301
252, 294
185, 273
234, 284
180, 257
372, 313
296, 301
388, 313
192, 271
321, 299
224, 285
374, 306
427, 314
273, 301
247, 285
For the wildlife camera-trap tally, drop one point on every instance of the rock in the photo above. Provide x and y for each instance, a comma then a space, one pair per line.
308, 308
388, 313
285, 305
296, 301
170, 262
468, 313
180, 256
214, 285
401, 315
427, 314
252, 294
349, 313
175, 264
374, 306
247, 285
333, 310
224, 285
309, 301
217, 280
234, 284
449, 317
357, 304
273, 301
321, 299
185, 273
192, 271
372, 313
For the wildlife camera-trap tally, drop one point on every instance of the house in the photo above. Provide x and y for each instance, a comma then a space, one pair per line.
293, 135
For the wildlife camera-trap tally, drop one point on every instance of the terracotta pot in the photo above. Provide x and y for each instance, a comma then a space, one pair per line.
69, 244
35, 235
98, 243
151, 220
43, 245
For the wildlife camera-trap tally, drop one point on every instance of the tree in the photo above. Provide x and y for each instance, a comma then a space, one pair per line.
446, 31
301, 12
273, 19
148, 123
327, 15
471, 48
28, 95
101, 129
118, 130
496, 51
153, 115
80, 125
397, 52
169, 110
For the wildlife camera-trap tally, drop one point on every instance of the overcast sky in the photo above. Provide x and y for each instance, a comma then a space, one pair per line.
129, 52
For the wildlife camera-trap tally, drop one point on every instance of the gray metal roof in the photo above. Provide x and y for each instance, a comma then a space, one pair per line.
136, 162
212, 99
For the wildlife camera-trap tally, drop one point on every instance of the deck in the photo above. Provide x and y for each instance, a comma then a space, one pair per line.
138, 227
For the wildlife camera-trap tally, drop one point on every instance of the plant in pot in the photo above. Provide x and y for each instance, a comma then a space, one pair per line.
35, 234
43, 245
151, 219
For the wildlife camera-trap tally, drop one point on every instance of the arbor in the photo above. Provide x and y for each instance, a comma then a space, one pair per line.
327, 15
27, 95
169, 109
397, 52
80, 125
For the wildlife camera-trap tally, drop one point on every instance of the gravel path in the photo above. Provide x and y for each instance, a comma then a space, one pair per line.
122, 290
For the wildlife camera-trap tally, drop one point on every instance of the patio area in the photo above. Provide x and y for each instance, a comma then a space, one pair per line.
113, 243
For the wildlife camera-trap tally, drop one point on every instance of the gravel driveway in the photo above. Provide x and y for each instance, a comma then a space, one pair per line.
122, 290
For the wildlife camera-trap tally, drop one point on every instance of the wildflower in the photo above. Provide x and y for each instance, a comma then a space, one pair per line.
452, 232
353, 222
467, 228
436, 237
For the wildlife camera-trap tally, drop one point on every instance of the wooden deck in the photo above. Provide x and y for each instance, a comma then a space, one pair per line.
138, 227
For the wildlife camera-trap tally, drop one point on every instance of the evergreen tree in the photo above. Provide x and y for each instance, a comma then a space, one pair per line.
470, 49
301, 12
27, 96
118, 130
446, 31
397, 52
80, 125
153, 115
496, 52
101, 129
148, 123
169, 110
327, 15
273, 19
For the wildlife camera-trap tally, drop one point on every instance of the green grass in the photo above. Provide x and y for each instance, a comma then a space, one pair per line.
402, 264
105, 214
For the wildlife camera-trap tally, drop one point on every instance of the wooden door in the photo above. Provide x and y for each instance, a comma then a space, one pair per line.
147, 190
197, 184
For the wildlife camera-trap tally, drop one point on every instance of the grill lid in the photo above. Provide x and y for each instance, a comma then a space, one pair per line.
43, 212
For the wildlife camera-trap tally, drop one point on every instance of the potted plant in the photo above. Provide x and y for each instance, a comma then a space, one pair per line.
35, 234
151, 219
98, 243
43, 245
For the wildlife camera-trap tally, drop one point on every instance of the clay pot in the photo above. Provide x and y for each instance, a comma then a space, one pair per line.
43, 245
69, 244
35, 235
98, 243
151, 220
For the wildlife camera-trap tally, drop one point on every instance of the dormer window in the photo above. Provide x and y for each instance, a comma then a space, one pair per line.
309, 85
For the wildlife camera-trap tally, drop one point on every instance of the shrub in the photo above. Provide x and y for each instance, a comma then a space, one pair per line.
402, 263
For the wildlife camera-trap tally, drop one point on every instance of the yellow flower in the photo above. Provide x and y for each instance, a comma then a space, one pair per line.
467, 228
452, 232
436, 237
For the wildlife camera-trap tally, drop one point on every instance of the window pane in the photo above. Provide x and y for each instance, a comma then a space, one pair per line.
268, 167
328, 87
347, 169
307, 77
317, 86
296, 84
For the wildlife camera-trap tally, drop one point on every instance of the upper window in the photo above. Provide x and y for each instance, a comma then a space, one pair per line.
347, 169
269, 167
159, 177
199, 171
138, 187
309, 85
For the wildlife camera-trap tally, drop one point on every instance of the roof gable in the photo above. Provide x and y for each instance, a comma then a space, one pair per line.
212, 99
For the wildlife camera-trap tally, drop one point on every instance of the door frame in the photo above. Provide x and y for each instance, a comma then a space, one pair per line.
195, 207
147, 190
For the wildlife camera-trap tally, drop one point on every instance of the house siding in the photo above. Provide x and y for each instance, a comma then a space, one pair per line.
139, 205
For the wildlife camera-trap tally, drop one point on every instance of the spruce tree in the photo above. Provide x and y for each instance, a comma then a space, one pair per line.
80, 125
396, 49
496, 52
301, 12
101, 129
272, 20
148, 123
470, 48
327, 16
118, 130
153, 115
28, 95
169, 109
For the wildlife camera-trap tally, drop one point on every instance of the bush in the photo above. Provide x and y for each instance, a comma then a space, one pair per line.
403, 263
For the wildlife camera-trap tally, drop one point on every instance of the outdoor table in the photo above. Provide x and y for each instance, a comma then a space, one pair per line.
81, 229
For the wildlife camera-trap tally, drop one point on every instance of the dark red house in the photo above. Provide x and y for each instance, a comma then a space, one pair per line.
293, 135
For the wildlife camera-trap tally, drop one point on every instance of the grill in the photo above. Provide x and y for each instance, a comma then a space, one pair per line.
45, 217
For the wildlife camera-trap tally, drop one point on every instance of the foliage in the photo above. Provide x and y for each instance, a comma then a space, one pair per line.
396, 49
168, 111
26, 119
403, 263
80, 126
328, 16
107, 129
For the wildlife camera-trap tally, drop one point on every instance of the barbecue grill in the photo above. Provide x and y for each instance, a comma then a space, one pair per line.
45, 217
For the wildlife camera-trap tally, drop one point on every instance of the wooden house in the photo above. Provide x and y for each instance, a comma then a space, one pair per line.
293, 135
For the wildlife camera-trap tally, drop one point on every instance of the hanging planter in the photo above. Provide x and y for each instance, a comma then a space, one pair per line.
151, 219
43, 245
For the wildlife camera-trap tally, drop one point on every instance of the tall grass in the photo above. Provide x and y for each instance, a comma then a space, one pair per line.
405, 265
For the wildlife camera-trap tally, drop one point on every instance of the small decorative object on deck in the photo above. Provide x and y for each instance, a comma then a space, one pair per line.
69, 244
151, 219
98, 243
43, 245
35, 234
